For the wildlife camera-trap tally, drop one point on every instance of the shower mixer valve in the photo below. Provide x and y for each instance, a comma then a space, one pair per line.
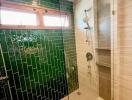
89, 56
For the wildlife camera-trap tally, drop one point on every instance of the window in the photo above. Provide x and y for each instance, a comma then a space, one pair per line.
21, 16
56, 20
14, 17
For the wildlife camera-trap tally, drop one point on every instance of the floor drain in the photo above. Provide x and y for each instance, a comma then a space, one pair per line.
78, 93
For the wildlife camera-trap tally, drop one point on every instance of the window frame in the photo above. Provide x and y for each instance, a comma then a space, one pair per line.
20, 11
56, 15
40, 12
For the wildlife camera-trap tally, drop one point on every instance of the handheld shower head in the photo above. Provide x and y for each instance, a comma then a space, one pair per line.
86, 19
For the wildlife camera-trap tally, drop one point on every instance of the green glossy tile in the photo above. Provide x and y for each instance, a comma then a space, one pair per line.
26, 73
23, 83
38, 55
27, 80
40, 77
7, 60
30, 70
3, 43
17, 82
35, 75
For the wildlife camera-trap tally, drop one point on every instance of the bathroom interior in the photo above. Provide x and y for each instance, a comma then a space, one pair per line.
65, 50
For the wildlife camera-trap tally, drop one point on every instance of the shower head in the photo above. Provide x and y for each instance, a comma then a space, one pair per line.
87, 10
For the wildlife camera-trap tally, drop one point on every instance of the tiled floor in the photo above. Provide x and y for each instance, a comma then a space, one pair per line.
85, 95
86, 90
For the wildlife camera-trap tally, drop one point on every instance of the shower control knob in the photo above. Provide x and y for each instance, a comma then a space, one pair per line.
89, 56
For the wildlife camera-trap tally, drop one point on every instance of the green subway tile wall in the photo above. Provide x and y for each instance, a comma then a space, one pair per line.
4, 88
40, 64
34, 61
54, 4
70, 59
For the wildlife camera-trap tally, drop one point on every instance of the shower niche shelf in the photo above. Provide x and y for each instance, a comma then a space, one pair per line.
103, 57
103, 47
103, 64
108, 49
